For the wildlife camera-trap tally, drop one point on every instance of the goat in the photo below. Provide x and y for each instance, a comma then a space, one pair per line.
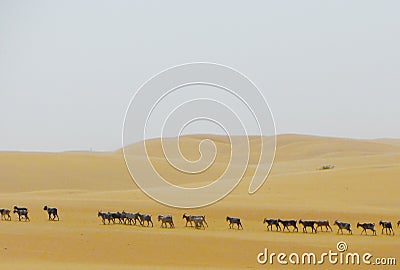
118, 216
5, 214
367, 226
22, 213
323, 223
233, 221
387, 225
398, 223
128, 218
51, 212
289, 223
343, 225
145, 217
190, 219
166, 219
104, 217
137, 218
272, 222
308, 223
199, 222
202, 218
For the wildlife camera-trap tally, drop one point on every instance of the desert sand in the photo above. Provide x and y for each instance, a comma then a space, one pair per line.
363, 186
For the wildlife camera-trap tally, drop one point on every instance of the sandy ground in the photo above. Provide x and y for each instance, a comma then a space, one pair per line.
363, 186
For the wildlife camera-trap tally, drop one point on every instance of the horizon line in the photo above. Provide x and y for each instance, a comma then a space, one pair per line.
90, 150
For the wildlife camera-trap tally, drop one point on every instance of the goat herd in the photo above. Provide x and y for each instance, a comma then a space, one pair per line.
123, 217
387, 227
22, 213
200, 222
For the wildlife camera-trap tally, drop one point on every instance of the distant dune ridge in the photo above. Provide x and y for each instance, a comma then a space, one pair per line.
363, 186
107, 171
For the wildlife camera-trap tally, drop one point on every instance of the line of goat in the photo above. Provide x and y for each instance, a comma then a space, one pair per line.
22, 213
314, 225
200, 222
126, 218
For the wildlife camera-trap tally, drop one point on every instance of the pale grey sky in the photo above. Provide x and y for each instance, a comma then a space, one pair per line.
69, 68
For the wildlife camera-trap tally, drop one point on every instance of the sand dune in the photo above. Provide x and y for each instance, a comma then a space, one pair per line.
363, 186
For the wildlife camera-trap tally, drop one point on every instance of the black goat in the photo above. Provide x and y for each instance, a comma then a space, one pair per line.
289, 223
5, 214
323, 223
22, 213
387, 225
104, 217
51, 211
367, 226
343, 225
308, 223
233, 221
147, 218
272, 222
166, 220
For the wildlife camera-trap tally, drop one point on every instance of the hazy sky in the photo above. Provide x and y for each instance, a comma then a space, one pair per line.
68, 69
